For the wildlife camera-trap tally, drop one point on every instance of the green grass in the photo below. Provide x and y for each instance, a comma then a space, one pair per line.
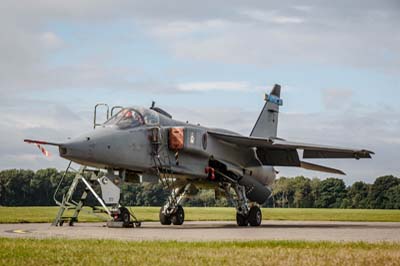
107, 252
47, 214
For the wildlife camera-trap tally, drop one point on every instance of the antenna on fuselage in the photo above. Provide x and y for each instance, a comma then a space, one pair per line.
159, 110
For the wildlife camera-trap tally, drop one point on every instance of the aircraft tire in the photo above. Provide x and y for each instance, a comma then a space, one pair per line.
164, 219
255, 216
179, 216
241, 220
125, 216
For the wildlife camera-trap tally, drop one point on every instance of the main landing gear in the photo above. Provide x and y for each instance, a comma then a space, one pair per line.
253, 218
244, 215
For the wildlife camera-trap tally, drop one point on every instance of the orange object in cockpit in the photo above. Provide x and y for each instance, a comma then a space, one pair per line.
176, 138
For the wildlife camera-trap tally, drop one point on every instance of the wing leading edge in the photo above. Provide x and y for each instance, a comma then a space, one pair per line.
279, 152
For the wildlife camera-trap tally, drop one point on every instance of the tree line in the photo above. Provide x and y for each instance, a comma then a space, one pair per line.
29, 188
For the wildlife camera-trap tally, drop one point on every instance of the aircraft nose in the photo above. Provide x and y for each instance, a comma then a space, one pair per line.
79, 149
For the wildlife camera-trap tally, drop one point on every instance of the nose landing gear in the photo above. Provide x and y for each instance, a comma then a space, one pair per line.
172, 211
176, 217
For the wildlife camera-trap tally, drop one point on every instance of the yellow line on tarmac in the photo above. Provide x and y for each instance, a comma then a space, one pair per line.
20, 232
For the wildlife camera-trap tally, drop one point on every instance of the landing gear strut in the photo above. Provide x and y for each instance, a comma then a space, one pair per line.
244, 215
172, 211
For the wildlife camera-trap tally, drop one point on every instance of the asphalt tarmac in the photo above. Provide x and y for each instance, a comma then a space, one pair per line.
214, 231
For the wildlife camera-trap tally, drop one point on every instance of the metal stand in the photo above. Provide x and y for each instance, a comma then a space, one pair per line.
67, 203
118, 216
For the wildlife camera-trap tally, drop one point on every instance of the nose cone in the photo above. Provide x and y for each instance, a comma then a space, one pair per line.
89, 149
79, 149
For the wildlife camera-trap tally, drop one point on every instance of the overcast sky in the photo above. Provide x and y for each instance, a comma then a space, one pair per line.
208, 62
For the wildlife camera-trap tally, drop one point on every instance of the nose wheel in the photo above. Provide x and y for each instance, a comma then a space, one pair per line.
179, 216
176, 217
172, 212
164, 218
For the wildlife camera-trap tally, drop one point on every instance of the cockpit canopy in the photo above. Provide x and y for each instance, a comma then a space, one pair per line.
133, 117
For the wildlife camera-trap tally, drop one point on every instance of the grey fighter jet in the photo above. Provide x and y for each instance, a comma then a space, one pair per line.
147, 144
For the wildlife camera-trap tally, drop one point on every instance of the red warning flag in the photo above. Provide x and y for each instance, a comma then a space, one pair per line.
39, 144
43, 150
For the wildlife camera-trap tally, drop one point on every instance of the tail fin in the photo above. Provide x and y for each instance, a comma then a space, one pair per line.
267, 123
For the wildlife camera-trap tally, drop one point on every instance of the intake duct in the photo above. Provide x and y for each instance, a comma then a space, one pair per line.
255, 191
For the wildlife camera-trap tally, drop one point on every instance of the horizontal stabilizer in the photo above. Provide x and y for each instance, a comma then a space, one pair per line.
311, 151
320, 168
321, 154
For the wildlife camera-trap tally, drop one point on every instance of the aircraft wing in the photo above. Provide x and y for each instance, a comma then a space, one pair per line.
279, 152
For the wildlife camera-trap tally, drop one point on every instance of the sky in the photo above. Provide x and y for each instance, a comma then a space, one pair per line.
208, 62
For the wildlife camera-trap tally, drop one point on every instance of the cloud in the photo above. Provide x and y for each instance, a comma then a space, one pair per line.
261, 33
23, 118
218, 85
272, 17
51, 40
268, 34
336, 98
180, 28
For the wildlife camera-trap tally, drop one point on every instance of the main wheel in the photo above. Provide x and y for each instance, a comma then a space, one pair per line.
124, 216
179, 216
164, 219
255, 216
241, 220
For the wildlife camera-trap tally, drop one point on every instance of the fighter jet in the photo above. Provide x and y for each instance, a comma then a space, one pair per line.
147, 144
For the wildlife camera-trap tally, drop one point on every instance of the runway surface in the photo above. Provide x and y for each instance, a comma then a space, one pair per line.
214, 231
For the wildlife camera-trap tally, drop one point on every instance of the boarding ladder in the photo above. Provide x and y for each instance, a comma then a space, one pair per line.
163, 165
67, 203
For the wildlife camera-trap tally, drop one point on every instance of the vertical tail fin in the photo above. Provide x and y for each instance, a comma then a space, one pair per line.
267, 123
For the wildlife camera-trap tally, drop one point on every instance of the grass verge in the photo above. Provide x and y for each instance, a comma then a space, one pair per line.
47, 214
106, 252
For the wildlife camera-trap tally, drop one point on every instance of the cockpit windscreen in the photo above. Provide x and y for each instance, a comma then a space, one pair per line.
131, 118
